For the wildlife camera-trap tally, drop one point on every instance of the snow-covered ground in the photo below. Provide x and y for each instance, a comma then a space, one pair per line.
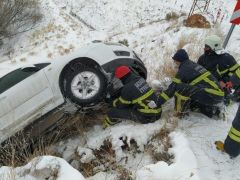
155, 39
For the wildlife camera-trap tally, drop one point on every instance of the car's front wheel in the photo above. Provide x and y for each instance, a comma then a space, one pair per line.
85, 86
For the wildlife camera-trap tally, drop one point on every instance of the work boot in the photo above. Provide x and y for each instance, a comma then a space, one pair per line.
219, 145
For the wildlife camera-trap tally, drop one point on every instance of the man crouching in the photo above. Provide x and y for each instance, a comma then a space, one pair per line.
137, 101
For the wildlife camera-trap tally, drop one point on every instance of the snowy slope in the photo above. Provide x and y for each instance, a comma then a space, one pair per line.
143, 24
45, 167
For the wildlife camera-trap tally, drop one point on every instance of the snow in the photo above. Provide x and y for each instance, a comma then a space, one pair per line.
103, 176
85, 154
139, 132
117, 135
45, 167
202, 132
155, 39
184, 166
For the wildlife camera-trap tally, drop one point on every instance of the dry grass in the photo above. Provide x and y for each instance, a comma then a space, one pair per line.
18, 16
187, 39
161, 139
23, 59
195, 49
124, 174
172, 121
169, 70
166, 70
171, 16
77, 124
50, 55
124, 42
218, 31
39, 34
21, 148
105, 160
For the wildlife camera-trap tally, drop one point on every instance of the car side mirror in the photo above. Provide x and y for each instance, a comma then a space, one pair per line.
30, 69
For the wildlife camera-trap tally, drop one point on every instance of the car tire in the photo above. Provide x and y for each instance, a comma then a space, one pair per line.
85, 86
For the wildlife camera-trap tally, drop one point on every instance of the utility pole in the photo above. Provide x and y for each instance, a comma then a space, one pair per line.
235, 20
199, 6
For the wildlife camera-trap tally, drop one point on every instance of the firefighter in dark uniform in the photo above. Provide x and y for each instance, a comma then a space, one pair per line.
221, 64
232, 142
137, 101
193, 84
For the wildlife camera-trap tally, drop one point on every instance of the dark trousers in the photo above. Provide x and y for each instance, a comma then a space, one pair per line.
206, 103
117, 115
202, 97
231, 146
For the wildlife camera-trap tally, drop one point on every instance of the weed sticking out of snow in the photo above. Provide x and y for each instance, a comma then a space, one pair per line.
118, 149
27, 144
45, 167
127, 150
159, 146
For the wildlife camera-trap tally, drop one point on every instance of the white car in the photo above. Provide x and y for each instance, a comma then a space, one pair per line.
84, 77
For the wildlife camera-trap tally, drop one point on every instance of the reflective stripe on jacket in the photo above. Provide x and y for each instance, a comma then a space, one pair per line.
190, 78
221, 66
137, 94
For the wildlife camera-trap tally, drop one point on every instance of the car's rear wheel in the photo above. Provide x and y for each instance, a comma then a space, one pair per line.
85, 86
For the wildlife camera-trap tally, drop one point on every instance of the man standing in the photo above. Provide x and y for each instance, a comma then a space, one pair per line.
193, 84
137, 101
232, 142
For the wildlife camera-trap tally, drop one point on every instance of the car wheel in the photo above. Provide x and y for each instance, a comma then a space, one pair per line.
85, 86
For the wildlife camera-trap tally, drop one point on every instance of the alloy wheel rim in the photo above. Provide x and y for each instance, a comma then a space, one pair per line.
85, 85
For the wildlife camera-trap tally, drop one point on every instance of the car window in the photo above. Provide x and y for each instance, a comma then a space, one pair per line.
17, 76
13, 78
41, 65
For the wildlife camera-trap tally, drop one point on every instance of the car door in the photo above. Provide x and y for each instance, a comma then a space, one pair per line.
28, 92
6, 113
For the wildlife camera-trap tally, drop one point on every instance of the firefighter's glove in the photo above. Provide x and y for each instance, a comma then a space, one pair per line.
222, 84
151, 104
219, 145
229, 85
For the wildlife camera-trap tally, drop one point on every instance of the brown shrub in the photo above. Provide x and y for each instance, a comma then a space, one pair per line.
168, 70
161, 138
18, 16
26, 144
171, 16
124, 42
197, 21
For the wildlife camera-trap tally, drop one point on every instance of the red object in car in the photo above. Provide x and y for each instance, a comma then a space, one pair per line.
121, 71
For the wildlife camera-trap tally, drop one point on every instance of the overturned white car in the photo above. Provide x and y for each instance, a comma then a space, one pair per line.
84, 77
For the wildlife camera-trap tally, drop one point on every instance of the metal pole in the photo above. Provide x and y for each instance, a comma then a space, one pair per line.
228, 36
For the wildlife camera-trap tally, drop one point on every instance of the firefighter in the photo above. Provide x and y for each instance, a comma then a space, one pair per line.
137, 101
193, 85
221, 64
231, 144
